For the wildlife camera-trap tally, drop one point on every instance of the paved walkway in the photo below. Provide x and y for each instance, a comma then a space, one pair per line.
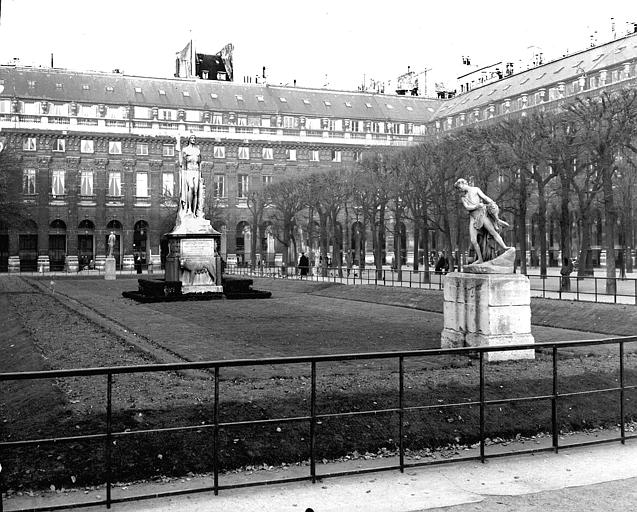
583, 478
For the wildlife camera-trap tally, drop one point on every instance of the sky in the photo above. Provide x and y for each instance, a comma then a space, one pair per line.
334, 43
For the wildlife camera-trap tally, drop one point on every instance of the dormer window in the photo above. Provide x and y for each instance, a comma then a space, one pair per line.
368, 105
59, 86
390, 107
327, 103
239, 97
162, 92
283, 100
409, 108
31, 84
348, 104
138, 90
85, 87
109, 88
260, 98
213, 96
186, 94
307, 102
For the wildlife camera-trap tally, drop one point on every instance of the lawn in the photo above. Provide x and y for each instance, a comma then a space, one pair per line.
87, 323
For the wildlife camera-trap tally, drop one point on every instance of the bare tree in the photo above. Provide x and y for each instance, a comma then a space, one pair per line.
287, 202
256, 201
608, 126
417, 196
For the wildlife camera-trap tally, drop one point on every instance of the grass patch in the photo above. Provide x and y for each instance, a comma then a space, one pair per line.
45, 334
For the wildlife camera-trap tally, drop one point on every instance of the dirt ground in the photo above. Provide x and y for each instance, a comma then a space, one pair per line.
83, 323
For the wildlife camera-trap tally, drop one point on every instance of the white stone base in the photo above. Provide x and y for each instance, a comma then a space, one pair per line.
488, 310
202, 288
109, 269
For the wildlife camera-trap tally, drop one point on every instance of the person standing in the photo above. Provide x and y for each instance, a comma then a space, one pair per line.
304, 265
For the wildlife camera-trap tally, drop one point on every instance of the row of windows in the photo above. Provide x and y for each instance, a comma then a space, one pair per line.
88, 146
58, 184
243, 153
34, 108
555, 92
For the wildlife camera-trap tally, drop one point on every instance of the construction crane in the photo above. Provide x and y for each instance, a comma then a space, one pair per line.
408, 82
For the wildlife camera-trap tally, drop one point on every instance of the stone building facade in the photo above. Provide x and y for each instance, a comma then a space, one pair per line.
96, 152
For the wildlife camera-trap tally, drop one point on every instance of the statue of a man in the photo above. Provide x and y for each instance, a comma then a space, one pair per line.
191, 177
111, 244
483, 216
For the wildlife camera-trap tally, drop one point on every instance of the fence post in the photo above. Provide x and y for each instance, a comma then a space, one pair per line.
109, 432
482, 458
554, 403
313, 424
595, 279
544, 287
215, 434
577, 287
401, 412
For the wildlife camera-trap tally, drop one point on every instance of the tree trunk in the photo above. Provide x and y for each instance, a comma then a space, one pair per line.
347, 246
416, 237
380, 245
253, 244
610, 222
585, 267
425, 248
398, 249
541, 193
565, 219
628, 239
522, 223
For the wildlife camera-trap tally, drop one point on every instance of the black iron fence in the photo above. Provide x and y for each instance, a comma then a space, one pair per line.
314, 417
589, 288
144, 268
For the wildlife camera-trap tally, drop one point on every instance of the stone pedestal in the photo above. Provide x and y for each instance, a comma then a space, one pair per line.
192, 260
488, 310
109, 269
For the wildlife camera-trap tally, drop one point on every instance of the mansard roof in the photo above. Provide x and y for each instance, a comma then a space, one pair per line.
569, 68
60, 85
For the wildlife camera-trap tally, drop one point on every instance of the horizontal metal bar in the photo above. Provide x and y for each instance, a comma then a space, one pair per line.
80, 372
497, 401
588, 392
51, 440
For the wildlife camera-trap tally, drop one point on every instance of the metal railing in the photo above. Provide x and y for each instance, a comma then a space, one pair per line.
147, 269
589, 288
314, 417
